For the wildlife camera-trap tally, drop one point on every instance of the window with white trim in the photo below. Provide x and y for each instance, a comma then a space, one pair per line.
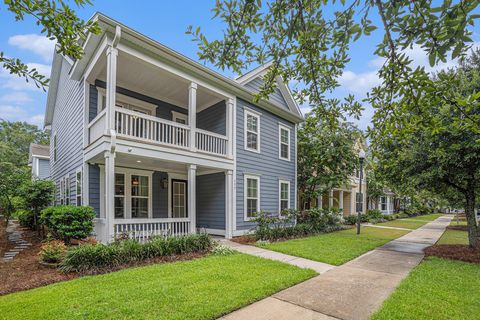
62, 191
383, 202
283, 195
139, 196
67, 189
54, 146
252, 196
283, 142
252, 131
78, 187
119, 195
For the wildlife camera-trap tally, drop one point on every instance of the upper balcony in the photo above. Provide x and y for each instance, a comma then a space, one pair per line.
142, 100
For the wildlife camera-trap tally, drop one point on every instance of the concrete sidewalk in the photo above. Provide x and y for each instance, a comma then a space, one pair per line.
319, 267
354, 290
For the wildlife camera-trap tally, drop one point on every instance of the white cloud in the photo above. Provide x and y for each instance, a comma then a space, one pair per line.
16, 98
359, 83
16, 113
14, 82
38, 44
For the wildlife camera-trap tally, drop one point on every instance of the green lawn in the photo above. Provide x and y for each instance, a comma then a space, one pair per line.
436, 289
411, 223
337, 247
453, 237
204, 288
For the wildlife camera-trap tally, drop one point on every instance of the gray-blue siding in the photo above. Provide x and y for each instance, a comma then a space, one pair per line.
275, 96
265, 164
213, 118
94, 188
68, 125
43, 168
211, 201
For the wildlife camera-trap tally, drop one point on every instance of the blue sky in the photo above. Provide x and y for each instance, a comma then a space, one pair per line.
166, 22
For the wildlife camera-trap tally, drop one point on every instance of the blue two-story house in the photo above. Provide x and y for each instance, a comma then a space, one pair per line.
158, 144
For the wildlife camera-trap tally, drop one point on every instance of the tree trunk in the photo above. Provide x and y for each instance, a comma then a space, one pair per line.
473, 232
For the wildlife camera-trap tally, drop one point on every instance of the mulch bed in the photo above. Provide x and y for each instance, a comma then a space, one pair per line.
458, 227
455, 252
244, 240
25, 272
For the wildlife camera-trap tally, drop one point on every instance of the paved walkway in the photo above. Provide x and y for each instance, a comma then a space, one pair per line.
14, 235
319, 267
385, 227
354, 290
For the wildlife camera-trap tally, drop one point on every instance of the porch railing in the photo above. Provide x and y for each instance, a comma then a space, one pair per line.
144, 230
142, 126
211, 142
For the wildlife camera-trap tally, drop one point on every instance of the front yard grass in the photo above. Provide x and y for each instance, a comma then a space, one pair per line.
337, 247
454, 237
204, 288
436, 289
411, 223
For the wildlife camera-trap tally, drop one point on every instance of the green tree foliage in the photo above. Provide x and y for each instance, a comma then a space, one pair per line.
15, 140
58, 22
326, 156
307, 43
443, 156
11, 177
37, 195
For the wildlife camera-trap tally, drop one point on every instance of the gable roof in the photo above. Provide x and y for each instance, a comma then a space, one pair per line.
38, 150
152, 47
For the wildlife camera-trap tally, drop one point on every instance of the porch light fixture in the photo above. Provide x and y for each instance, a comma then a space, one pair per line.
165, 183
139, 161
361, 158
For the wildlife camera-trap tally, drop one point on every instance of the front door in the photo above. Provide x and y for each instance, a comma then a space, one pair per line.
179, 199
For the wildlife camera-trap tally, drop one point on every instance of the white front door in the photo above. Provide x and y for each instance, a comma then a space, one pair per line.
179, 199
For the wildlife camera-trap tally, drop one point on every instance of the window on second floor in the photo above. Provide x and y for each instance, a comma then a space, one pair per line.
252, 131
283, 142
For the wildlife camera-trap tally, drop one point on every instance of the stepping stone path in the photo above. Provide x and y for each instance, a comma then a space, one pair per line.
14, 235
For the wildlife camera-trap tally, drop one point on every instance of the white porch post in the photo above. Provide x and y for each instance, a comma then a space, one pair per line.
330, 199
320, 200
230, 128
192, 192
340, 200
109, 195
112, 54
388, 204
229, 204
192, 114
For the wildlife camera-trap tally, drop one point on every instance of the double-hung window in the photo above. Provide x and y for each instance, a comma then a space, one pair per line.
252, 196
139, 196
359, 202
67, 189
252, 131
54, 146
78, 187
283, 142
283, 195
383, 201
119, 195
62, 191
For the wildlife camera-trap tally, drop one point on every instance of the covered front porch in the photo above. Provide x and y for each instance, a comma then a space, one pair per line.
150, 197
338, 199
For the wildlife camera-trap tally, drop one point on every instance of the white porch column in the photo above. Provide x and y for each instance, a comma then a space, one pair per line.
230, 117
320, 200
330, 199
109, 195
340, 200
112, 54
192, 192
229, 204
388, 204
192, 113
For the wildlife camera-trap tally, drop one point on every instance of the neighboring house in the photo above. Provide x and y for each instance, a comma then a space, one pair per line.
346, 198
159, 144
39, 160
385, 203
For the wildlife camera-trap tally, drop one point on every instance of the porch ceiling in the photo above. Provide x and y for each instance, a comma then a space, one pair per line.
147, 79
154, 164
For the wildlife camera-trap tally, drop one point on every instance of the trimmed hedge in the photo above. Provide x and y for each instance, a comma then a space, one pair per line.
69, 222
91, 258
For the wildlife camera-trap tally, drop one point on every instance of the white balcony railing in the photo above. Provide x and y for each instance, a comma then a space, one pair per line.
141, 126
210, 142
144, 230
96, 127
